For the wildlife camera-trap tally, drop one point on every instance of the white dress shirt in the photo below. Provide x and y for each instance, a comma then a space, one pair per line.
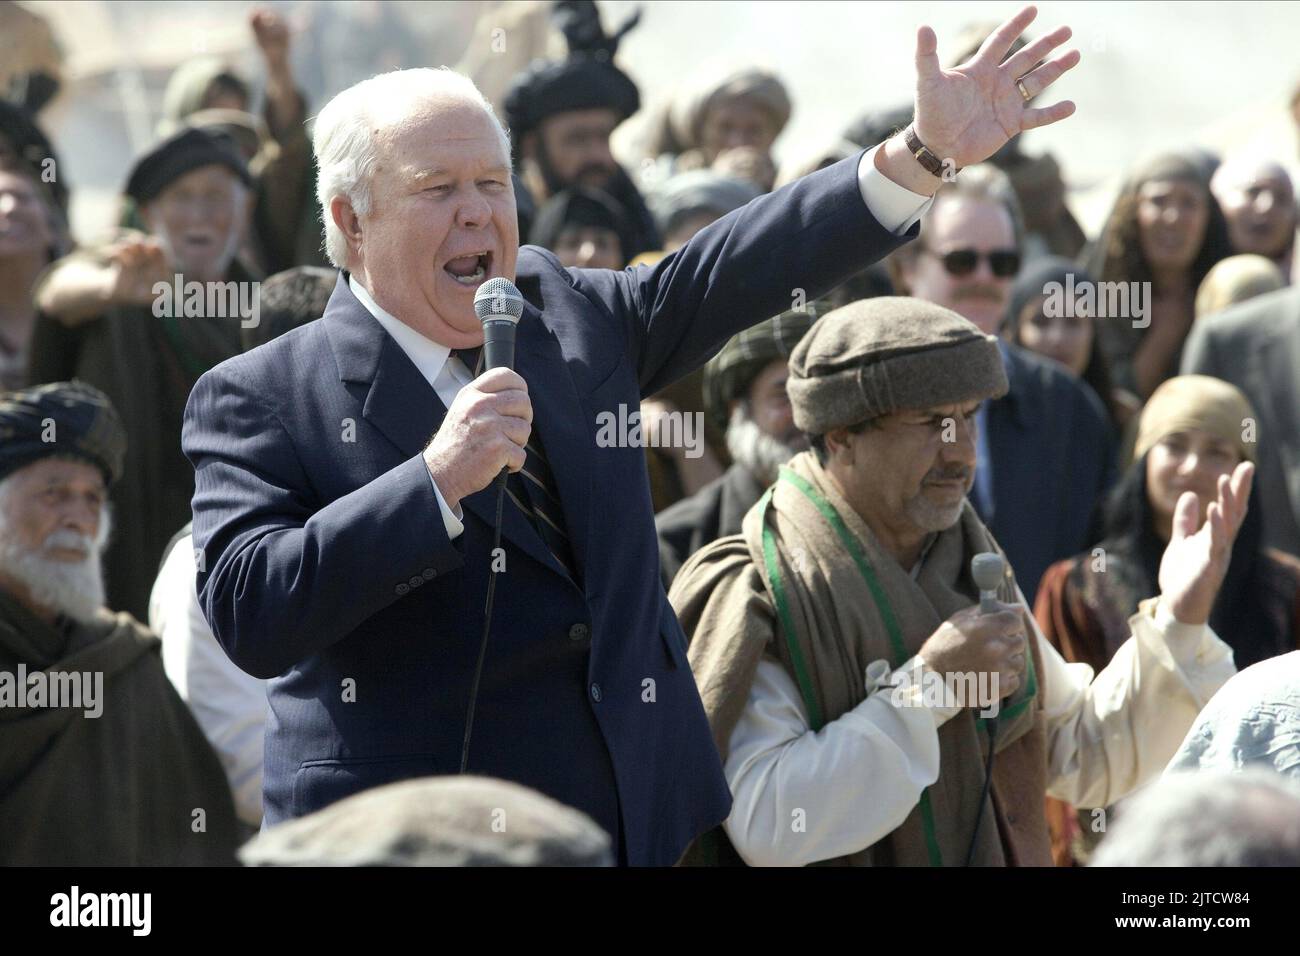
229, 705
445, 374
858, 778
893, 206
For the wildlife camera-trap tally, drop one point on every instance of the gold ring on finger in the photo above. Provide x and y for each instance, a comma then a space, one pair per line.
1020, 84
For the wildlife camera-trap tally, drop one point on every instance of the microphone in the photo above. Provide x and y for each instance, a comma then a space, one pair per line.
498, 305
986, 570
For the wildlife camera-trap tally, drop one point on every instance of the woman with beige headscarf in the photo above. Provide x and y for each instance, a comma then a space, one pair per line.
1236, 279
1194, 430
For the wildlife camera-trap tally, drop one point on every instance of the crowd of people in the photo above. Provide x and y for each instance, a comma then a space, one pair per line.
1056, 393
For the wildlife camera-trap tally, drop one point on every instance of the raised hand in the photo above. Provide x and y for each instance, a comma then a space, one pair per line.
271, 33
967, 113
1196, 561
134, 266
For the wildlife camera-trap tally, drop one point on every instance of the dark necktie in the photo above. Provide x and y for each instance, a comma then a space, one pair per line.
533, 489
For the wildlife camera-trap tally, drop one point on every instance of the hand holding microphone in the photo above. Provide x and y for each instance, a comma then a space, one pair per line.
491, 418
986, 638
987, 570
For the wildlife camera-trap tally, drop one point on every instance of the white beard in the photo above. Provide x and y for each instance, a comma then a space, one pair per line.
754, 449
188, 270
72, 588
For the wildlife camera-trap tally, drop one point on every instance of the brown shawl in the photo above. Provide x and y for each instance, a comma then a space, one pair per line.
120, 789
791, 587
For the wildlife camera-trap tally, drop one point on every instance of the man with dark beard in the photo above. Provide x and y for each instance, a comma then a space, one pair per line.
561, 115
744, 391
100, 761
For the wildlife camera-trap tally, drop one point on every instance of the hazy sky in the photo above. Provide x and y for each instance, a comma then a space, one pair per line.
1153, 75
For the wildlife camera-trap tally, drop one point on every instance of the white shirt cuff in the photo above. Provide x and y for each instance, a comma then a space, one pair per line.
453, 522
914, 684
895, 207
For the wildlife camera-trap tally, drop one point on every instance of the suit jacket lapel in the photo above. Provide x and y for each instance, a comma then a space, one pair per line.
399, 402
403, 406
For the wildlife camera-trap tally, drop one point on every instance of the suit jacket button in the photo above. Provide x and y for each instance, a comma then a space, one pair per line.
595, 693
415, 581
579, 632
428, 574
403, 589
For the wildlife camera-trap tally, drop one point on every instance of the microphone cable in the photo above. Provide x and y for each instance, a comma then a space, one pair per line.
498, 305
992, 723
487, 622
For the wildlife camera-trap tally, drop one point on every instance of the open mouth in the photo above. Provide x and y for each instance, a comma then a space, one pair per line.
197, 242
471, 269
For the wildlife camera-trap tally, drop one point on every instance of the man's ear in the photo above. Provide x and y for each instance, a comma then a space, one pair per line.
836, 441
346, 218
528, 145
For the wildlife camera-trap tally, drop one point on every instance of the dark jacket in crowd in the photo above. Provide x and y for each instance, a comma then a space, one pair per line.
713, 512
1256, 347
1053, 456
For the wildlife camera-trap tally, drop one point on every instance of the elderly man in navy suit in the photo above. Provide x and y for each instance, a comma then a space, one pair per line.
346, 554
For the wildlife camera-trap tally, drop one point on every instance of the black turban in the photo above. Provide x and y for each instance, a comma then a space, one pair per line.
179, 154
63, 419
588, 79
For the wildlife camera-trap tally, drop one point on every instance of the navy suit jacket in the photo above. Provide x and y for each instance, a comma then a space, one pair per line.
1053, 454
326, 566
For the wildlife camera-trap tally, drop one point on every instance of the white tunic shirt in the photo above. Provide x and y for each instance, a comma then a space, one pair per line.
858, 778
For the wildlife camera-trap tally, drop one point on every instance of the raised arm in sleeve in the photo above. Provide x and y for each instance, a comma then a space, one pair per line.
797, 242
1107, 735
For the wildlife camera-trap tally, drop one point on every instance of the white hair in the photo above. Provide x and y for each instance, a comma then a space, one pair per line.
73, 588
346, 132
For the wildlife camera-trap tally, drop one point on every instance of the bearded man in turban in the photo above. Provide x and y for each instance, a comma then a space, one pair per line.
101, 763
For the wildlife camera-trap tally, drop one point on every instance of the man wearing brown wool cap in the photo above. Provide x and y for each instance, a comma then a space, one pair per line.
854, 684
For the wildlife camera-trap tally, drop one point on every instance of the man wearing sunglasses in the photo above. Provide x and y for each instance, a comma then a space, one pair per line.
1045, 449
